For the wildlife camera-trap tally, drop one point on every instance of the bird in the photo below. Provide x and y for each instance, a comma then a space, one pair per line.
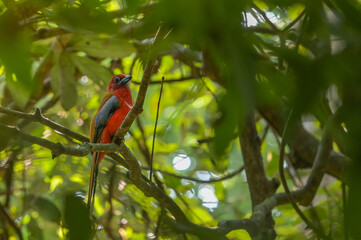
111, 112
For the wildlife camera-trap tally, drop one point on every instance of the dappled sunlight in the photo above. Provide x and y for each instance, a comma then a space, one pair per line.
206, 194
181, 162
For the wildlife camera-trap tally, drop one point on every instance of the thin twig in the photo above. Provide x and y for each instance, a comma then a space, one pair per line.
263, 30
155, 131
264, 135
284, 183
290, 25
43, 109
228, 176
264, 16
182, 79
291, 170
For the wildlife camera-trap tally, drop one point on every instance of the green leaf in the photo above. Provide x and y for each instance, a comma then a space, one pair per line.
220, 191
272, 165
76, 217
238, 234
171, 181
35, 231
46, 209
295, 10
167, 64
200, 215
15, 56
87, 17
102, 47
18, 89
91, 68
68, 93
54, 74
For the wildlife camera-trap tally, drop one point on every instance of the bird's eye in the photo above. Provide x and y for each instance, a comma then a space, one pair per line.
117, 80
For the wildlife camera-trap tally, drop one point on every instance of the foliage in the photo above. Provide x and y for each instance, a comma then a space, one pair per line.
223, 61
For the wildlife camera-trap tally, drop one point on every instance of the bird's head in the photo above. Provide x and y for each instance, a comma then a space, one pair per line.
119, 81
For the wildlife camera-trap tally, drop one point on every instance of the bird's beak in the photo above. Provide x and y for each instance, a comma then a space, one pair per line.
126, 79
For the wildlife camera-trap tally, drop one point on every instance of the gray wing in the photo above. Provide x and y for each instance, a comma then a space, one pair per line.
104, 115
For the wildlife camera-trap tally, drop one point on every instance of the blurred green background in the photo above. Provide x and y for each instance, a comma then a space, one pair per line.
223, 61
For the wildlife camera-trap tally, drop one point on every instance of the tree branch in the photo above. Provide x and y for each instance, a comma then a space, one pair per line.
259, 186
138, 106
38, 117
151, 190
200, 231
319, 167
291, 24
228, 176
148, 188
304, 145
303, 196
290, 197
56, 148
264, 16
182, 79
262, 30
6, 216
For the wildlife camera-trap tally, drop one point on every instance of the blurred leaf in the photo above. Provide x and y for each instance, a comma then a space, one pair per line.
262, 5
352, 11
76, 217
91, 68
272, 165
171, 181
200, 215
225, 126
67, 82
220, 191
15, 56
36, 232
21, 94
54, 74
71, 18
45, 207
102, 47
238, 234
132, 5
295, 10
167, 64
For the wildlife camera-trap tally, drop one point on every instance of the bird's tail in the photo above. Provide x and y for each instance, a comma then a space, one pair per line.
93, 182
